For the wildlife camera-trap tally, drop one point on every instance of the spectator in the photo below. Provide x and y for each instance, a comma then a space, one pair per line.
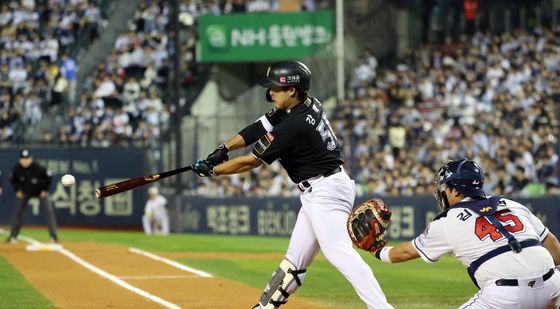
59, 90
519, 181
471, 8
69, 69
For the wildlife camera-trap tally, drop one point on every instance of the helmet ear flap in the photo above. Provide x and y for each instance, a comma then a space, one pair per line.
267, 95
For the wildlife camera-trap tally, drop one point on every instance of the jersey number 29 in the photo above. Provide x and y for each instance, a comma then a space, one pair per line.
485, 229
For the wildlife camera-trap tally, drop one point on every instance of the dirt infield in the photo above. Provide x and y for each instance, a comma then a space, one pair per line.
68, 284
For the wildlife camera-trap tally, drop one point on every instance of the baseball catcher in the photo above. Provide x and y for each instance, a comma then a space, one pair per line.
367, 224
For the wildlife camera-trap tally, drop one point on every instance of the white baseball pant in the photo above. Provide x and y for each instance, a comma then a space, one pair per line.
531, 293
321, 224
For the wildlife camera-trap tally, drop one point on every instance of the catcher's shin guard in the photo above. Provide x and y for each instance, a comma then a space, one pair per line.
285, 280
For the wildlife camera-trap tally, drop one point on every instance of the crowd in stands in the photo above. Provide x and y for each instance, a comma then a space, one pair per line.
126, 102
36, 69
488, 97
122, 102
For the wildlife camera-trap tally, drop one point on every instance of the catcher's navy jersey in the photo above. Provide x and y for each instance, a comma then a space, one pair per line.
302, 140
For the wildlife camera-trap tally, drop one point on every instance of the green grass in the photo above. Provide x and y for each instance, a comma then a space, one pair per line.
15, 291
414, 284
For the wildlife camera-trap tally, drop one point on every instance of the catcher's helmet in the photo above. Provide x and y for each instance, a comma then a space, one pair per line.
287, 73
462, 175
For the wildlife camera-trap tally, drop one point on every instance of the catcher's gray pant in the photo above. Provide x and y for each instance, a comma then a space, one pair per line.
321, 224
18, 216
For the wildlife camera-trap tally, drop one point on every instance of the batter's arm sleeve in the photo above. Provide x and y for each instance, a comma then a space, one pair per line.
266, 123
553, 246
403, 252
251, 133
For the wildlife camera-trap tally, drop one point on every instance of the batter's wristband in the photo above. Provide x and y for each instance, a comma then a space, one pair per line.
383, 254
223, 146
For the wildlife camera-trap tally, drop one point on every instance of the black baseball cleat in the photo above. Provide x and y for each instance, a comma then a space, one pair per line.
11, 240
54, 240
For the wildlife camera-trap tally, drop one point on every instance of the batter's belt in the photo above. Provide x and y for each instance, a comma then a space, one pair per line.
305, 185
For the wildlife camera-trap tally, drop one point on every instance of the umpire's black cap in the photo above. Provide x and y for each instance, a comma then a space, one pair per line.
25, 154
287, 73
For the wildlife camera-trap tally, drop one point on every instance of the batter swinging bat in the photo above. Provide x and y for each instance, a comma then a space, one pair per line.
132, 183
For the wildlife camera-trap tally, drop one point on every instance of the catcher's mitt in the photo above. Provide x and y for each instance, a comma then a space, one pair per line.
367, 224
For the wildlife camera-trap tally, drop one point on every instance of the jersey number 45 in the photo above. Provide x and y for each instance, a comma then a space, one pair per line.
484, 228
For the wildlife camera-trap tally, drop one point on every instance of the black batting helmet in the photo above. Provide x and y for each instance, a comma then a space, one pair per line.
287, 73
462, 175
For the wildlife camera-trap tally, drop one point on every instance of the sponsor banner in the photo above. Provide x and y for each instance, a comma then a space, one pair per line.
263, 36
277, 216
77, 205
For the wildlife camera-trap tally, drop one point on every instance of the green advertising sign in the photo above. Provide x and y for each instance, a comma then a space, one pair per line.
263, 36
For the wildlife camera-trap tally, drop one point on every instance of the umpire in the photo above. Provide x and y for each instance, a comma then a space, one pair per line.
30, 179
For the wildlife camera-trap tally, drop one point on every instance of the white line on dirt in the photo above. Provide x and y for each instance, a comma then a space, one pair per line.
29, 240
106, 275
155, 277
170, 262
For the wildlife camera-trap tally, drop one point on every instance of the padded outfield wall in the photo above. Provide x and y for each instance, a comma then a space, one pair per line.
277, 216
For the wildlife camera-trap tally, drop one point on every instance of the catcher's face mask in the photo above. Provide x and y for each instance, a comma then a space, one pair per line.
439, 184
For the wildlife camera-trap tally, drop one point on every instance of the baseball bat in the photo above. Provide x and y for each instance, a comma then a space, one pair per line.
132, 183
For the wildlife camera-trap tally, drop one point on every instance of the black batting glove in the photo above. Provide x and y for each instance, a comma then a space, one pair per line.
203, 168
219, 155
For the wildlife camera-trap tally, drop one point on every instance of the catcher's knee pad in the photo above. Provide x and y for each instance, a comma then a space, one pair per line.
285, 280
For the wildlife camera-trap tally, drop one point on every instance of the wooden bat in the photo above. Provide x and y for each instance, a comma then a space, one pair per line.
132, 183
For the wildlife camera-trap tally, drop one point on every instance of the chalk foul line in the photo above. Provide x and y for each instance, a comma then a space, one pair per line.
198, 272
105, 274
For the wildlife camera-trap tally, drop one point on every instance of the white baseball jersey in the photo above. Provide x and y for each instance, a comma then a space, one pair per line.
155, 212
156, 207
463, 233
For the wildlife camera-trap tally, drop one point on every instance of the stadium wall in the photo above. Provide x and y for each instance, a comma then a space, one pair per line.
77, 205
277, 216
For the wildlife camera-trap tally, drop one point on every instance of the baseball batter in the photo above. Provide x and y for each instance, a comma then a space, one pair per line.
297, 134
509, 253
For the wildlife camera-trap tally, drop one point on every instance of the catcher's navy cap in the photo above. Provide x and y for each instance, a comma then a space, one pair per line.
464, 175
25, 154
